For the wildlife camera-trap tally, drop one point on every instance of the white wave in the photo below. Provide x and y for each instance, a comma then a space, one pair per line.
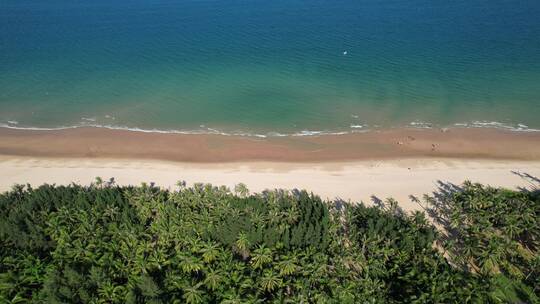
276, 134
317, 133
91, 119
496, 125
8, 126
491, 124
307, 133
206, 130
421, 124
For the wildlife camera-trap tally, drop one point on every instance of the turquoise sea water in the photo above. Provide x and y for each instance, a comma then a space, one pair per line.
267, 67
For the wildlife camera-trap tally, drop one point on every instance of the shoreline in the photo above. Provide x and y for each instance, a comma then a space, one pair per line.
352, 129
91, 142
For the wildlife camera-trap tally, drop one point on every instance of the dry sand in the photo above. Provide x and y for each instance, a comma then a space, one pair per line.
366, 180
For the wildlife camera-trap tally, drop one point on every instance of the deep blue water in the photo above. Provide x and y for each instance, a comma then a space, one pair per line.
269, 66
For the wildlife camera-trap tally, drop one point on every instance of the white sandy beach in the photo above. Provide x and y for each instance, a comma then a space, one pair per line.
355, 181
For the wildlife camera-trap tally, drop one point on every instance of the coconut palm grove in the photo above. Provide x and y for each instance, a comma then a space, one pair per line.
106, 243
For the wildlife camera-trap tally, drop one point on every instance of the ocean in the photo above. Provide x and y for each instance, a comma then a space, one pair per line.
269, 68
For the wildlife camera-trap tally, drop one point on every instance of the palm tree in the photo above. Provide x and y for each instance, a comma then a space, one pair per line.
512, 227
287, 267
275, 217
241, 190
241, 246
190, 264
213, 279
261, 256
258, 219
235, 277
99, 181
158, 259
232, 297
210, 252
270, 281
148, 287
181, 184
292, 215
193, 295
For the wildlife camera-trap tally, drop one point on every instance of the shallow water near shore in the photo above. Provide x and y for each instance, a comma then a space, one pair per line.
269, 67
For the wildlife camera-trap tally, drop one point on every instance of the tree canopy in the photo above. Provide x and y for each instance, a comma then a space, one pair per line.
105, 243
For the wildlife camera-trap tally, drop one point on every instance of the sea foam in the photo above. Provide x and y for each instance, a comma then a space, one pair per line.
204, 130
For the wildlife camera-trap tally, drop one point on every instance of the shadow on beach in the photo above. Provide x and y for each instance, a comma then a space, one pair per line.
441, 207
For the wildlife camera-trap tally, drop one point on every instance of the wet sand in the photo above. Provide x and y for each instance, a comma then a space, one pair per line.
373, 145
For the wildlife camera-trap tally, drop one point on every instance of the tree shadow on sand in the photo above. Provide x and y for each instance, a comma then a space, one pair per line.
439, 207
531, 179
453, 213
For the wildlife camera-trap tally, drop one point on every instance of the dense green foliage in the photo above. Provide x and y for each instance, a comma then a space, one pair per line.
493, 232
110, 244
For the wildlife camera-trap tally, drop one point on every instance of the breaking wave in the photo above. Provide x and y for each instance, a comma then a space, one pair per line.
353, 128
